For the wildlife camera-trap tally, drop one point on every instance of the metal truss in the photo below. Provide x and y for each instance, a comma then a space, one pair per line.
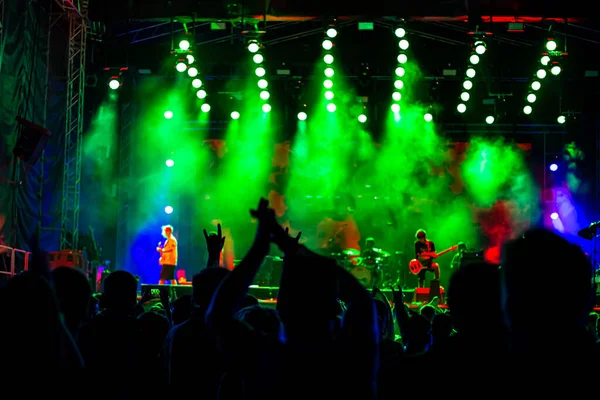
127, 119
76, 59
1, 32
597, 168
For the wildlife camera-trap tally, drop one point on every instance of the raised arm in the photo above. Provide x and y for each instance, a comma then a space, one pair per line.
214, 247
230, 296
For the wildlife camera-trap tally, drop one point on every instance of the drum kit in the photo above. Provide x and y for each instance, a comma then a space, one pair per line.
372, 267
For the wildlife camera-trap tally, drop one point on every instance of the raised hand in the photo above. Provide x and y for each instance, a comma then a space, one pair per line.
297, 238
266, 221
214, 242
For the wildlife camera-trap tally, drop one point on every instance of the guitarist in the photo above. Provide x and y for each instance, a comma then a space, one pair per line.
425, 253
168, 257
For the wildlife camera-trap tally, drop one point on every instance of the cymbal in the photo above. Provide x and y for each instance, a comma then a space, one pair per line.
351, 252
382, 253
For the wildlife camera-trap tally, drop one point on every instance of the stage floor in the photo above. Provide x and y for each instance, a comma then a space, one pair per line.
267, 295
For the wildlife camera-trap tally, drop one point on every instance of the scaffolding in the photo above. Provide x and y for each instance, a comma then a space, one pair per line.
597, 163
76, 11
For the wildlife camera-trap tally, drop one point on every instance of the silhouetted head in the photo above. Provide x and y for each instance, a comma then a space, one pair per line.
535, 269
369, 243
428, 312
120, 291
419, 334
182, 309
442, 326
474, 298
250, 301
263, 319
205, 284
74, 295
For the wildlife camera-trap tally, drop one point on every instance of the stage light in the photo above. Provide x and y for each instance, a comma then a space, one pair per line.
302, 116
329, 71
201, 94
114, 84
561, 119
205, 107
192, 72
169, 163
168, 114
553, 167
362, 118
489, 119
480, 47
265, 95
196, 83
169, 210
258, 58
428, 117
184, 45
235, 115
545, 60
400, 70
190, 59
253, 47
541, 73
256, 49
554, 215
400, 33
180, 67
546, 64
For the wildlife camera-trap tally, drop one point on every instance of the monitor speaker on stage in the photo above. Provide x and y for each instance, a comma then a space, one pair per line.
31, 141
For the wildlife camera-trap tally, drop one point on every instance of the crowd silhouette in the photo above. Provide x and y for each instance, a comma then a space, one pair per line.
524, 327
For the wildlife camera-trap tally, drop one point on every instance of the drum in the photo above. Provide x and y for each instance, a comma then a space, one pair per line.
363, 275
366, 276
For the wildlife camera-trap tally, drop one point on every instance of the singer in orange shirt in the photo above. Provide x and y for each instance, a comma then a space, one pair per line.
168, 257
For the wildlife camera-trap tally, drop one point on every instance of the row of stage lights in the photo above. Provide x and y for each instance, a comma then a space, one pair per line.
548, 63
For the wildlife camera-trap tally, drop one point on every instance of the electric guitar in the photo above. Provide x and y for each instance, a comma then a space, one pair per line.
415, 266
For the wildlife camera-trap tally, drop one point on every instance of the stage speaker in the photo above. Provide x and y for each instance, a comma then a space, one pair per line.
31, 141
424, 295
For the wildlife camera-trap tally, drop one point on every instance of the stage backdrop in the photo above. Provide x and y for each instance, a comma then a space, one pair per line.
451, 198
23, 85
